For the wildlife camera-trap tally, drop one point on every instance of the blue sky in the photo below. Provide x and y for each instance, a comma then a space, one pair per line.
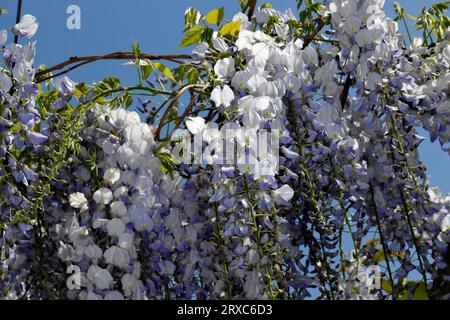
111, 25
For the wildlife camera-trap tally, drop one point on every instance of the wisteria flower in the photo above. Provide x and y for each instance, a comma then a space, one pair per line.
78, 201
283, 194
103, 196
222, 96
27, 27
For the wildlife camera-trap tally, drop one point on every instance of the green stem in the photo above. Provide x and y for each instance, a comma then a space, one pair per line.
257, 231
407, 29
221, 244
383, 242
402, 152
313, 198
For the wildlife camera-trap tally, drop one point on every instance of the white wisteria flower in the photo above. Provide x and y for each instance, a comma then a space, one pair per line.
114, 296
5, 82
117, 256
130, 285
195, 125
222, 97
93, 252
78, 201
112, 175
118, 209
224, 68
103, 196
100, 277
65, 85
3, 37
284, 193
115, 227
126, 240
329, 116
27, 27
220, 44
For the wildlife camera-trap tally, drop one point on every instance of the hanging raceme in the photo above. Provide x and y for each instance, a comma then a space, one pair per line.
279, 160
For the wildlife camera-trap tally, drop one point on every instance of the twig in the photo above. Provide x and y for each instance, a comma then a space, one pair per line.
314, 34
39, 80
184, 115
348, 83
402, 152
120, 55
178, 95
383, 242
19, 14
251, 10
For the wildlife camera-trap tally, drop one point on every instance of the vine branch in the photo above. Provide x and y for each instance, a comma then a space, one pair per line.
178, 95
312, 36
251, 9
18, 15
76, 62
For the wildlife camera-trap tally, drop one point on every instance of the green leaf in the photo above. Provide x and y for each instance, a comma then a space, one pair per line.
231, 29
244, 5
316, 7
208, 34
167, 165
215, 16
420, 292
191, 18
146, 71
304, 15
188, 71
386, 286
193, 36
84, 88
108, 84
101, 101
372, 242
193, 76
266, 6
446, 21
77, 93
440, 7
127, 100
135, 49
379, 255
121, 101
164, 70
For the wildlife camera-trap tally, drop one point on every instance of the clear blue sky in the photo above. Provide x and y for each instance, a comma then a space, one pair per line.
111, 25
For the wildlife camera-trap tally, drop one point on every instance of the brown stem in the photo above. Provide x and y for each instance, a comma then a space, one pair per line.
120, 55
18, 16
314, 34
62, 72
251, 10
178, 95
185, 114
348, 83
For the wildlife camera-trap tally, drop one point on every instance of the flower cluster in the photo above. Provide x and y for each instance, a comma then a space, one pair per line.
336, 206
127, 226
347, 107
21, 138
